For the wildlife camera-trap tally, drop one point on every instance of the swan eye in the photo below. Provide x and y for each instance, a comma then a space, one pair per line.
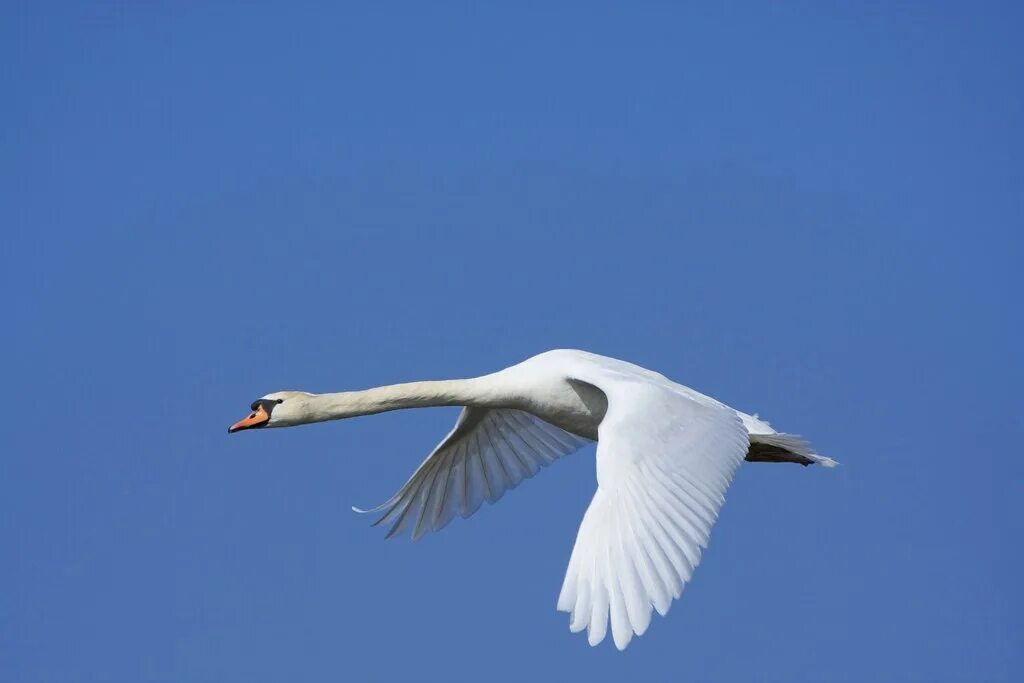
280, 400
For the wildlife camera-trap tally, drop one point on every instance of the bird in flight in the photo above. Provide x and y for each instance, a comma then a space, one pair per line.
665, 456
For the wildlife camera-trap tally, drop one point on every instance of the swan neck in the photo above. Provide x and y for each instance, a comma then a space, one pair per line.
452, 392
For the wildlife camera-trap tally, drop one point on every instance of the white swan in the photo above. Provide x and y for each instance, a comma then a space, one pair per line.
665, 456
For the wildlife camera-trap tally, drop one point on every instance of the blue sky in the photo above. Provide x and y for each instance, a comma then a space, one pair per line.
810, 211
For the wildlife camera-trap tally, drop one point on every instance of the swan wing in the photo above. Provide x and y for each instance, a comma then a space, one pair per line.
488, 452
665, 457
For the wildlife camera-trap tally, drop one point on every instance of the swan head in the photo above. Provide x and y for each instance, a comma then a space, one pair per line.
277, 409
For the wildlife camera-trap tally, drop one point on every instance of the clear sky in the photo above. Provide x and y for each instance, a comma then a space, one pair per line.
811, 211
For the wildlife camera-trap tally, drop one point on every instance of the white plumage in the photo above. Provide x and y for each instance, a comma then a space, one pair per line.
487, 453
665, 457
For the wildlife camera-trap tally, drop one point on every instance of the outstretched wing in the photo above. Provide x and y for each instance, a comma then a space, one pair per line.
487, 453
665, 457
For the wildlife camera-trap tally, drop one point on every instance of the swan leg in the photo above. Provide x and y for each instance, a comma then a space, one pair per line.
763, 452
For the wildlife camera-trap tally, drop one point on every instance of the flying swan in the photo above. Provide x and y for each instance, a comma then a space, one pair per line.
665, 456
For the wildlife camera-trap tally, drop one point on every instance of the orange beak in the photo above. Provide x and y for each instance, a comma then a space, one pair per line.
255, 419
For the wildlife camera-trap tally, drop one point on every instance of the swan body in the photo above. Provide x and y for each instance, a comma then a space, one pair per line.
665, 456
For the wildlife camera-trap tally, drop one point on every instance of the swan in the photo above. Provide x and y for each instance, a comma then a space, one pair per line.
665, 456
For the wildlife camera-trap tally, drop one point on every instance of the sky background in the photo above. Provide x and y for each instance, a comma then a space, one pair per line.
811, 211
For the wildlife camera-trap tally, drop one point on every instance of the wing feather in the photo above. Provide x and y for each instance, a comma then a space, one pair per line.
489, 452
665, 458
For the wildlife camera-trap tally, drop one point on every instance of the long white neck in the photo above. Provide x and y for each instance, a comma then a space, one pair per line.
452, 392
